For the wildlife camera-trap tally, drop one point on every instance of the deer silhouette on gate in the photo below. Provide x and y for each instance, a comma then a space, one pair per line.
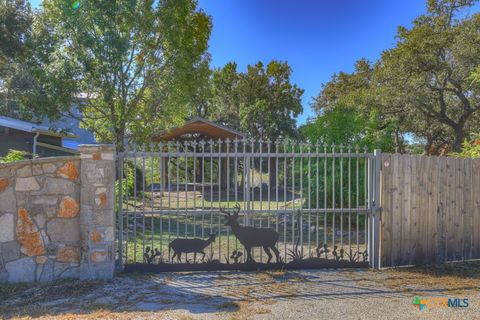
251, 237
180, 246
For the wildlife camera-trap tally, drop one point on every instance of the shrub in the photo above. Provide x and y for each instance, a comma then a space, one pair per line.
14, 155
470, 149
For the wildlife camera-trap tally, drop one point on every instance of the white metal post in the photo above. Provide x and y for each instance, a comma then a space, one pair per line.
376, 209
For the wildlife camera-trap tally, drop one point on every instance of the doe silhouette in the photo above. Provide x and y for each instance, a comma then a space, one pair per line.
196, 245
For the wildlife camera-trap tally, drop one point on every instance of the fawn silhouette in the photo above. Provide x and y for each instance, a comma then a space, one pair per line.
196, 245
251, 237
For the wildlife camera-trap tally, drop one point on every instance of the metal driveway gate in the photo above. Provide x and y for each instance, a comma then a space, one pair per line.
223, 205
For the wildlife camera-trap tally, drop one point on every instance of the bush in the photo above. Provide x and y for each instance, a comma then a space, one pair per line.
14, 155
470, 149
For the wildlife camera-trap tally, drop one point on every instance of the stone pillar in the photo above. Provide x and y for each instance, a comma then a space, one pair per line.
97, 211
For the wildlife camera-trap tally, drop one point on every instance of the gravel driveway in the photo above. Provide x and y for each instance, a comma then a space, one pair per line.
319, 294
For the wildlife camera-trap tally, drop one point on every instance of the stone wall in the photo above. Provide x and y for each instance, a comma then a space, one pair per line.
57, 217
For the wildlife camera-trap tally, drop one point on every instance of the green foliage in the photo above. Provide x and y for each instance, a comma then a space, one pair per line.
14, 155
270, 103
16, 44
470, 149
131, 64
261, 101
226, 95
347, 126
128, 182
427, 75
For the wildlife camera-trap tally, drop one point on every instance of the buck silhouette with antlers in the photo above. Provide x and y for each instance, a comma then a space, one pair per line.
251, 237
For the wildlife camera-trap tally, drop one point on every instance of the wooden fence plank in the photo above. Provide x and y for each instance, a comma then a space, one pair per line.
402, 245
406, 205
397, 231
476, 208
467, 213
386, 213
459, 204
433, 210
450, 212
441, 230
420, 239
413, 210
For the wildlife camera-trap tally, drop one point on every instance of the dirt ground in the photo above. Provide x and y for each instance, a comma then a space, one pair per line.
313, 294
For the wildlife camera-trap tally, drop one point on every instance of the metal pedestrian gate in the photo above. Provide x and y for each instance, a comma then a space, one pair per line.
246, 205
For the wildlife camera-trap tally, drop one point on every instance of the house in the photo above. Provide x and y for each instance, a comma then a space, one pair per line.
32, 138
71, 124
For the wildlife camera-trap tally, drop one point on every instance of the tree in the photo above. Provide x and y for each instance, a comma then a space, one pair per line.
226, 98
16, 20
345, 88
429, 71
133, 63
470, 149
347, 126
350, 107
201, 90
269, 102
262, 101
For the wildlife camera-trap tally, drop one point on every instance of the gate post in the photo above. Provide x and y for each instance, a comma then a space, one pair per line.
97, 211
375, 216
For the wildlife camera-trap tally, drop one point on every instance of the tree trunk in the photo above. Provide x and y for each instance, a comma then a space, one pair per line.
398, 142
428, 145
459, 137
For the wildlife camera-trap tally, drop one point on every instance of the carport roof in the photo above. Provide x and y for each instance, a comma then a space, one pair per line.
196, 129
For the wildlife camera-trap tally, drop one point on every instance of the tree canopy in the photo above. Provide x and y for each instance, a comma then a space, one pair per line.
16, 19
129, 65
261, 101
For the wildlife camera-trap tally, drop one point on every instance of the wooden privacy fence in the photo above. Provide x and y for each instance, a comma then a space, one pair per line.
430, 209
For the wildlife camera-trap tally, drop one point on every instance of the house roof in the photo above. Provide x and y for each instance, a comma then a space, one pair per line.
32, 127
203, 128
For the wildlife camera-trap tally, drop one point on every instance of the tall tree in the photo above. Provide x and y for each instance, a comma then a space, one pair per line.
368, 122
132, 61
348, 126
262, 101
226, 98
270, 103
16, 20
345, 88
428, 71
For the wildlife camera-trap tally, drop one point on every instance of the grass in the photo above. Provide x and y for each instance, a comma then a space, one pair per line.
454, 278
31, 295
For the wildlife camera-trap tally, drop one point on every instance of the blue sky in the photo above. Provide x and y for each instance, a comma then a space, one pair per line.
316, 37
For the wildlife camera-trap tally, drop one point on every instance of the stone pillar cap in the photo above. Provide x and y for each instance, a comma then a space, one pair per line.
87, 148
